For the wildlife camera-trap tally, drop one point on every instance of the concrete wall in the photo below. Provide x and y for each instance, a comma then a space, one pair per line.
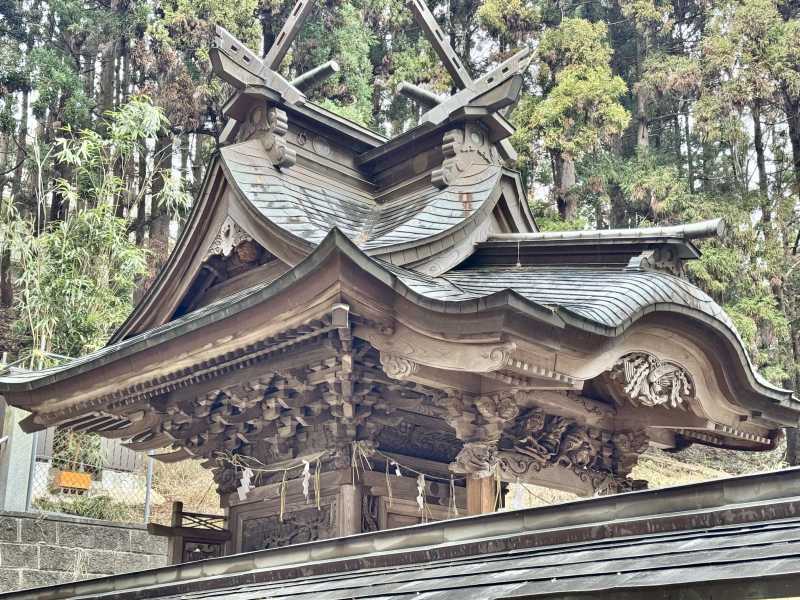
38, 550
15, 459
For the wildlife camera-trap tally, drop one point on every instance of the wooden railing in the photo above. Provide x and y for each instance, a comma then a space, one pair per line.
193, 536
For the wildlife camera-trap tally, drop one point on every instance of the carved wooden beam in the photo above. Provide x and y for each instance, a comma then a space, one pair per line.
414, 347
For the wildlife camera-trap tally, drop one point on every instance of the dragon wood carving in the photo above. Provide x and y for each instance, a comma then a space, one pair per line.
602, 457
648, 381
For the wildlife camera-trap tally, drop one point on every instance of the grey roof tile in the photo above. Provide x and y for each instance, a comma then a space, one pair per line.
607, 296
308, 205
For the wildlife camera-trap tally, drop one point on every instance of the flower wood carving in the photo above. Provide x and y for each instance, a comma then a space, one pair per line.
648, 381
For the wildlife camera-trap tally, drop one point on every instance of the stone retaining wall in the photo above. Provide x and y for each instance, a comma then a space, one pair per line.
38, 550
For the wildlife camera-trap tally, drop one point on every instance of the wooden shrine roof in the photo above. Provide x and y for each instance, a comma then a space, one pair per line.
430, 232
736, 537
599, 300
306, 204
590, 299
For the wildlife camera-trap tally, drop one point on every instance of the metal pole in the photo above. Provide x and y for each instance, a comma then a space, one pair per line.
31, 473
148, 486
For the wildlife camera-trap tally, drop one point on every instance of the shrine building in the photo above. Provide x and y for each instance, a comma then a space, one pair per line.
357, 333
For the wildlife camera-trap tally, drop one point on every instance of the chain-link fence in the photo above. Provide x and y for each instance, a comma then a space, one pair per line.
84, 475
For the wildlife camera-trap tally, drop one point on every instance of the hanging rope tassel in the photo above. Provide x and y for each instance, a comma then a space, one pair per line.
388, 484
453, 502
283, 496
317, 482
421, 493
306, 478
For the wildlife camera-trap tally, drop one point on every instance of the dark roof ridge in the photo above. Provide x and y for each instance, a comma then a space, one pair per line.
689, 231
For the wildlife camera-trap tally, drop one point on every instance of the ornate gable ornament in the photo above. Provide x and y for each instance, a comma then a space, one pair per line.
463, 148
647, 380
229, 236
269, 124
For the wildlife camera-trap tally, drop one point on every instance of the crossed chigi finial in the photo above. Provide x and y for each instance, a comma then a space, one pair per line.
481, 98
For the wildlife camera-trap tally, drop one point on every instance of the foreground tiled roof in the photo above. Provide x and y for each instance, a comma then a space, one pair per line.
736, 533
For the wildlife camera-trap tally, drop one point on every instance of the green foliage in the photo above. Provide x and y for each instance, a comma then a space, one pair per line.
76, 281
75, 451
57, 82
98, 162
582, 106
645, 186
581, 111
509, 20
548, 219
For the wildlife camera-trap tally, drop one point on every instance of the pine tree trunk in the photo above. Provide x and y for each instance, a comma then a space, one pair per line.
763, 182
689, 154
565, 179
159, 219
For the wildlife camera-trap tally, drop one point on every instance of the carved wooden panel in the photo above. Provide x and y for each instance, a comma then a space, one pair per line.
414, 440
305, 525
647, 380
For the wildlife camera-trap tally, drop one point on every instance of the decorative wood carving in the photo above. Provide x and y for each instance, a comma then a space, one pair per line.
477, 459
440, 354
601, 457
370, 506
414, 440
663, 259
297, 527
229, 237
269, 125
628, 445
398, 367
648, 381
273, 138
463, 148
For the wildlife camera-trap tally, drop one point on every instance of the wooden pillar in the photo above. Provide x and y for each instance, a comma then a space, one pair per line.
481, 495
349, 510
175, 552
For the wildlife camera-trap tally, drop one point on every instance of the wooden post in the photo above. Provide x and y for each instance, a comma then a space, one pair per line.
481, 495
349, 511
175, 553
